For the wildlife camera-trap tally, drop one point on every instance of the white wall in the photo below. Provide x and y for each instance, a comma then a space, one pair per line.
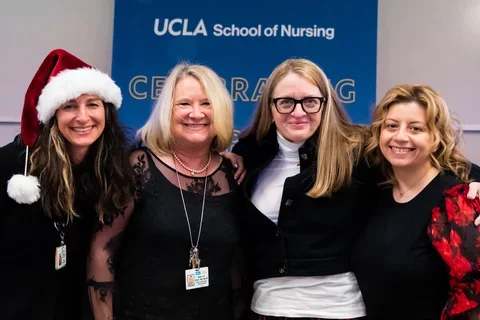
30, 29
435, 42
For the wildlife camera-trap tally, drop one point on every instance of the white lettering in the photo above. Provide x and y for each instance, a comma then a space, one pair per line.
185, 31
345, 95
234, 31
200, 29
217, 30
169, 26
314, 32
165, 25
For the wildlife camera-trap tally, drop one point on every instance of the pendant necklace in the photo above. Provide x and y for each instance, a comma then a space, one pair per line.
403, 193
194, 259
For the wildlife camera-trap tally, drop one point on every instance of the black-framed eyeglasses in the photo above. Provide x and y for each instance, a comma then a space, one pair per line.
308, 104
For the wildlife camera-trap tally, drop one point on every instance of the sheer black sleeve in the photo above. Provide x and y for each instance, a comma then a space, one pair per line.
106, 240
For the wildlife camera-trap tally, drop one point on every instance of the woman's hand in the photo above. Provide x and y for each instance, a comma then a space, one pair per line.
237, 162
474, 192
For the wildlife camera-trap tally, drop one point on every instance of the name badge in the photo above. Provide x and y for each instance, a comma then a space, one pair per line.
60, 257
196, 278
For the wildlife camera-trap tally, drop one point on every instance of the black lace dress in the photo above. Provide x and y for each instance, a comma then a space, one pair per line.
151, 263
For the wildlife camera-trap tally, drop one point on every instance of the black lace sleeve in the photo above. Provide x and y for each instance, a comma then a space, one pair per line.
141, 168
101, 263
106, 241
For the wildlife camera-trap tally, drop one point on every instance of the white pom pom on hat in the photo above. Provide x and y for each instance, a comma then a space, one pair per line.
24, 189
60, 78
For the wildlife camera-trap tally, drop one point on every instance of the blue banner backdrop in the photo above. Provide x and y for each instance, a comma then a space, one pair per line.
243, 42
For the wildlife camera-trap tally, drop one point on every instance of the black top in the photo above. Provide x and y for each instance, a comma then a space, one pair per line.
399, 272
155, 255
31, 287
313, 237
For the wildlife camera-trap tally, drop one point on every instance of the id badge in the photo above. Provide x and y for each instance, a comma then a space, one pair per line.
196, 278
60, 257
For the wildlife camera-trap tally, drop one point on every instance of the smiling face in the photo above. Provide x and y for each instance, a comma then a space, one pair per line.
297, 126
405, 140
192, 115
81, 122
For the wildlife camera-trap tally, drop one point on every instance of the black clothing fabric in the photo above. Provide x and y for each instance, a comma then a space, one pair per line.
32, 288
399, 272
313, 236
154, 257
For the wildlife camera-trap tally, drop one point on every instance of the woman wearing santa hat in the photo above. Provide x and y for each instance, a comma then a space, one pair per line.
64, 176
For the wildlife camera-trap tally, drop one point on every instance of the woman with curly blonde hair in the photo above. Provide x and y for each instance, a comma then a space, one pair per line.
416, 144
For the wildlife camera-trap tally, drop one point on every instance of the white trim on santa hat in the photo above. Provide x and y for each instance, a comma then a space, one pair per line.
70, 84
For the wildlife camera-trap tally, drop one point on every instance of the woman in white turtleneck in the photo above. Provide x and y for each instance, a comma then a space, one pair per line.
301, 227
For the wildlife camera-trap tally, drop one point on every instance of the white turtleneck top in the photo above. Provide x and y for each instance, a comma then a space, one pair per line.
267, 192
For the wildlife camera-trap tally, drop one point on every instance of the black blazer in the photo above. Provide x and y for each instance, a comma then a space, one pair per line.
313, 236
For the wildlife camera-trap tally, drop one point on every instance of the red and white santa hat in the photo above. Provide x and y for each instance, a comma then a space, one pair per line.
60, 78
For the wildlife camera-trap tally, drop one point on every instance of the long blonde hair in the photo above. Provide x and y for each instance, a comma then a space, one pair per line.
339, 141
443, 127
156, 134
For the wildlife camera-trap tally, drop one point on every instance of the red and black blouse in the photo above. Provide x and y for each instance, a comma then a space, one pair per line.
457, 239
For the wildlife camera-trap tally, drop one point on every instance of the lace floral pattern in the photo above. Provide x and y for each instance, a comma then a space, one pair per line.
142, 174
198, 185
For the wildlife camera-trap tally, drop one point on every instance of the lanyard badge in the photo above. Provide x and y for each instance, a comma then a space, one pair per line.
61, 250
196, 277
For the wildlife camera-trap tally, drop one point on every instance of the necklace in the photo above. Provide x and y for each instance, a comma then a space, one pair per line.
194, 260
413, 185
193, 171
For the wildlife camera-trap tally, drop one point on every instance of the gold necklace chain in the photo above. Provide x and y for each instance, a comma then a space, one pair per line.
413, 185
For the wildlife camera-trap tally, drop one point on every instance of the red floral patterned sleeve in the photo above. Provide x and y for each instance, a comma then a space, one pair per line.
457, 239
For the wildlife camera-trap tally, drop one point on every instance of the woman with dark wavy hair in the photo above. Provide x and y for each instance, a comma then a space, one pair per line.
76, 179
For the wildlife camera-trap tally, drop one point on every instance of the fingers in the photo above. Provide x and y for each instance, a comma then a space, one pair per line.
242, 176
239, 171
473, 190
477, 221
471, 194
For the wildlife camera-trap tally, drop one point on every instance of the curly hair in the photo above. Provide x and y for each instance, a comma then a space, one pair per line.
110, 180
443, 127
